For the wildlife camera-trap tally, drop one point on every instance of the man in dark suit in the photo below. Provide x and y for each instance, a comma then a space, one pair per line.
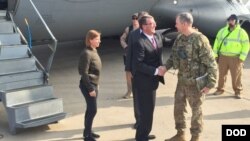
147, 57
132, 44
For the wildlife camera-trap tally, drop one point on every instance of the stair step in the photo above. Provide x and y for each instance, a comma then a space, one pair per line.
2, 19
27, 95
21, 80
30, 111
2, 13
41, 121
17, 65
20, 76
13, 52
6, 27
10, 39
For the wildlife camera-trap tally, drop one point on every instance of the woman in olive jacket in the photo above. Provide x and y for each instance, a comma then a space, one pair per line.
89, 68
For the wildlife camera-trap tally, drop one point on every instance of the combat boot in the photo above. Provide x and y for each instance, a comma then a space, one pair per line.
195, 138
180, 136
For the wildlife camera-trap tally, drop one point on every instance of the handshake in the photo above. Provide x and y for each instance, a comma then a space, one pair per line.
161, 70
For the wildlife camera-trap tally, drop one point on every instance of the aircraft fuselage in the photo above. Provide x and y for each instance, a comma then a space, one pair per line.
71, 19
209, 15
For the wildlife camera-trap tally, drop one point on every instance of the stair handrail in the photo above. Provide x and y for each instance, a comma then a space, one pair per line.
16, 29
54, 44
8, 13
13, 5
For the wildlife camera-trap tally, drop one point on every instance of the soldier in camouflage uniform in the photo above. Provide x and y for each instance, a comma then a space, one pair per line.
192, 55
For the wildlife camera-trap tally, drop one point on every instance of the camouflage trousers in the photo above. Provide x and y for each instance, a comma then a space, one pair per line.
190, 94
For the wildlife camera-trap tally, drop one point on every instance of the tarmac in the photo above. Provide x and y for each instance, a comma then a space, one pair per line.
115, 118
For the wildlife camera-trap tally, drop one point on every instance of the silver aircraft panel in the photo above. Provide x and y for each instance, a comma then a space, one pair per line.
71, 19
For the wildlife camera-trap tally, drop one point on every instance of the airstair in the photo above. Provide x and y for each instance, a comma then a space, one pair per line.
24, 90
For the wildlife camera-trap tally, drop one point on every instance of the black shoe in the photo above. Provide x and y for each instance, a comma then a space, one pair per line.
151, 137
90, 138
94, 135
135, 126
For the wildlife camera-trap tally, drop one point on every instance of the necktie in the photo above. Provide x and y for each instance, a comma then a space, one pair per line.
153, 43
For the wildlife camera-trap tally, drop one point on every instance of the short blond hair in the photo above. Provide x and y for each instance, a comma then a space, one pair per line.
90, 36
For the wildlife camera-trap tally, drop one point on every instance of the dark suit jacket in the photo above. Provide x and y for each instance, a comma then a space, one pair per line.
133, 38
145, 60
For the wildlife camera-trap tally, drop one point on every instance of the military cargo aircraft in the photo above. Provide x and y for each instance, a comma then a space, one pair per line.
70, 19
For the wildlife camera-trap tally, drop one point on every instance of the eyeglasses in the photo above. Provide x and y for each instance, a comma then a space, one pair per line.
134, 18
